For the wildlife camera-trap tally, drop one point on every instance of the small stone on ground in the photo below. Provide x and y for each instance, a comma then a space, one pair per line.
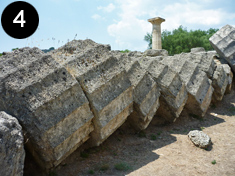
199, 138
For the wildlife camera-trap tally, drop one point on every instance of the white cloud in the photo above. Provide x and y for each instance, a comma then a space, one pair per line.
130, 29
193, 14
108, 8
129, 33
97, 17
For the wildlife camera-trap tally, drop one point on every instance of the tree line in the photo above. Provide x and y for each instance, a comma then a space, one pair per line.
181, 40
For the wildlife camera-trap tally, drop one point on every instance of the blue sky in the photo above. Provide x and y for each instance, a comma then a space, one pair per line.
120, 23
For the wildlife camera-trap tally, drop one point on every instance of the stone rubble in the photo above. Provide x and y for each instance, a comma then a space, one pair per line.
146, 94
48, 102
197, 50
223, 41
173, 91
197, 83
219, 82
228, 71
104, 83
156, 52
12, 154
83, 91
199, 138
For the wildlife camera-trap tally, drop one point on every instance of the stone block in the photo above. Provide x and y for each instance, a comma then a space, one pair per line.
146, 95
109, 92
197, 84
204, 60
219, 82
105, 84
156, 52
80, 46
48, 102
228, 71
197, 50
173, 91
12, 154
85, 55
200, 96
223, 41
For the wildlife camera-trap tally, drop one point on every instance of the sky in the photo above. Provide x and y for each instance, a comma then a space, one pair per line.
120, 23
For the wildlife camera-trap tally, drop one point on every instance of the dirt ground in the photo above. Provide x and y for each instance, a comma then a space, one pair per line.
159, 150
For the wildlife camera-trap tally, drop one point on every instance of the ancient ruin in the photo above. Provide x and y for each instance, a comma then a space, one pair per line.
156, 33
84, 91
12, 153
223, 42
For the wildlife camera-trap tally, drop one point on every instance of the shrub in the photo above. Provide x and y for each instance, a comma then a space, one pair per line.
125, 51
122, 166
104, 167
181, 40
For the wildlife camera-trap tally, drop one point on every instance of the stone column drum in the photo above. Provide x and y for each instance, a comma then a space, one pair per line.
156, 33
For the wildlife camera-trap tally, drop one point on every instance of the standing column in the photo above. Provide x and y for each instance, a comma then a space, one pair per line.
156, 34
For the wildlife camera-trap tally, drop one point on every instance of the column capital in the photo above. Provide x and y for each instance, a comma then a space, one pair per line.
156, 20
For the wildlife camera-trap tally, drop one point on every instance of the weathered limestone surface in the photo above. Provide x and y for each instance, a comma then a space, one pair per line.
219, 82
146, 93
214, 72
12, 152
83, 90
204, 60
223, 41
197, 50
229, 73
199, 138
48, 102
227, 69
196, 81
156, 52
105, 84
173, 90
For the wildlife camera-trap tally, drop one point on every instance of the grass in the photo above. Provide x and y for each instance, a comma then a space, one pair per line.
91, 172
104, 167
84, 154
202, 128
232, 109
213, 162
141, 134
153, 137
122, 166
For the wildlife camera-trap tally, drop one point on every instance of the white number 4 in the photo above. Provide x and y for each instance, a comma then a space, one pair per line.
21, 16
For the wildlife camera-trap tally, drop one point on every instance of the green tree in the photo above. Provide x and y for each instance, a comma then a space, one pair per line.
181, 40
125, 51
14, 49
148, 38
